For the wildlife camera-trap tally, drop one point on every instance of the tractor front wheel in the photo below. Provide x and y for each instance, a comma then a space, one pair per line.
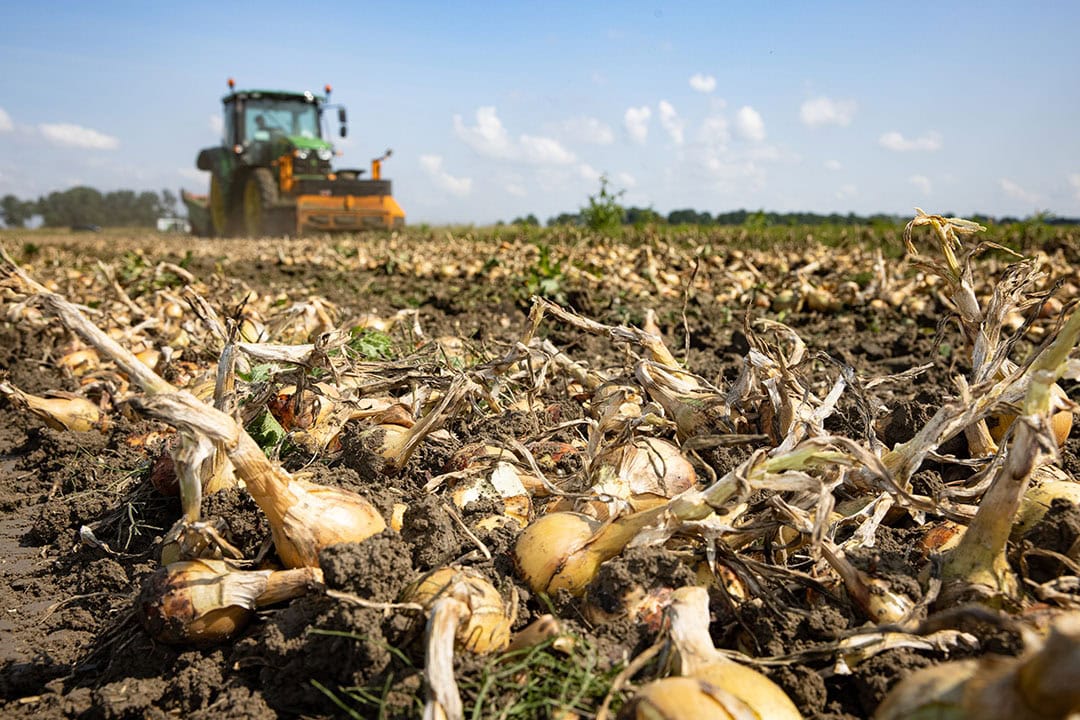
261, 212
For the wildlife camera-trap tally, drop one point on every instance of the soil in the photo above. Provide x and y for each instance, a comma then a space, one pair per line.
80, 520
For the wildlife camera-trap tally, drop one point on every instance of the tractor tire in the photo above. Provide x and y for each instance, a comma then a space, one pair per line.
263, 214
225, 216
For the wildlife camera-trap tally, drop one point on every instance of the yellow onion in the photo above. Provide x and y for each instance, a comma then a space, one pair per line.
201, 602
698, 659
488, 625
875, 599
304, 517
79, 362
1061, 422
640, 475
1048, 483
1040, 685
464, 610
60, 410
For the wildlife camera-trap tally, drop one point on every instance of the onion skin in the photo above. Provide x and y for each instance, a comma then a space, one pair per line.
684, 698
552, 554
202, 602
487, 621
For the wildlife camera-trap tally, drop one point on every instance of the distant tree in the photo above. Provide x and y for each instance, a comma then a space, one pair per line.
15, 212
604, 213
169, 203
639, 217
689, 217
529, 219
77, 206
565, 219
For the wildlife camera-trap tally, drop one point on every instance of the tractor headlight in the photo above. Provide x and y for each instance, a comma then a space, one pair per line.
300, 154
325, 154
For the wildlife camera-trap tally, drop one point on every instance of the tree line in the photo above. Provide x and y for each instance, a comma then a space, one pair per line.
83, 206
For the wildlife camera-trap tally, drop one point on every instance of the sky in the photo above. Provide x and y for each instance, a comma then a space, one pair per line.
495, 110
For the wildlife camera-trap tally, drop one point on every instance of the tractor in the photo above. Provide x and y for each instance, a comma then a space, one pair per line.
272, 174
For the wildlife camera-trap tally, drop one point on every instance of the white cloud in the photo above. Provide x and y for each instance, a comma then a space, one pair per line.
749, 124
922, 183
636, 121
544, 151
714, 132
5, 122
703, 83
490, 139
217, 126
516, 189
826, 111
433, 166
72, 135
898, 143
590, 130
1074, 180
626, 181
1016, 192
846, 191
588, 172
833, 165
669, 120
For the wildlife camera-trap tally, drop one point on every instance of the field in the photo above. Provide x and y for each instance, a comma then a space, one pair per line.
817, 396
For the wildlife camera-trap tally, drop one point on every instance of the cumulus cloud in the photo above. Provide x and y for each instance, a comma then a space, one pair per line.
433, 166
1074, 180
5, 122
703, 83
588, 172
544, 151
590, 130
625, 180
490, 139
749, 124
670, 121
636, 121
922, 183
826, 111
898, 143
714, 132
1016, 192
833, 165
71, 135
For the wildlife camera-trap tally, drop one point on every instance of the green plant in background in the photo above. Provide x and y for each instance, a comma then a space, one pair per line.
604, 213
545, 277
371, 344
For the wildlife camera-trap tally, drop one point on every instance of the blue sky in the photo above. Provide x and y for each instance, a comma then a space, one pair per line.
496, 110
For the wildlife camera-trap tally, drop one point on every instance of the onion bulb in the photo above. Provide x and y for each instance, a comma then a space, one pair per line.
465, 611
60, 410
304, 517
1037, 686
202, 602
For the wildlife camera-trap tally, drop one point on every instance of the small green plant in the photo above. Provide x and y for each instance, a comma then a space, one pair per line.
545, 277
371, 344
604, 213
30, 250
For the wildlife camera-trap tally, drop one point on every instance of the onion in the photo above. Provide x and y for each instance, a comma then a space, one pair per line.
202, 601
304, 517
713, 686
60, 410
1038, 686
465, 611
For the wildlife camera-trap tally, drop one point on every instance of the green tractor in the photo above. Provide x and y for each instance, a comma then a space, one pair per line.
272, 174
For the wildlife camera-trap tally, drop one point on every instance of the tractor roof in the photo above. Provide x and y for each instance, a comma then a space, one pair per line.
273, 94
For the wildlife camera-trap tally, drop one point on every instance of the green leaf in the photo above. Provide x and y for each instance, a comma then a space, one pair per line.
266, 430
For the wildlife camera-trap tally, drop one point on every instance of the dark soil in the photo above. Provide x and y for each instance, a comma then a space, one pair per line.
80, 520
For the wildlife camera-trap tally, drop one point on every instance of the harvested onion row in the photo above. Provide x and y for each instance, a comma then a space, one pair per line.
304, 517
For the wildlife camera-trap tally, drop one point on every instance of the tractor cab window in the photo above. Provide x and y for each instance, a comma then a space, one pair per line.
266, 119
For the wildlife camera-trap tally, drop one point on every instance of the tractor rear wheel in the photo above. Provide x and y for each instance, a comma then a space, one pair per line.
262, 214
219, 208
